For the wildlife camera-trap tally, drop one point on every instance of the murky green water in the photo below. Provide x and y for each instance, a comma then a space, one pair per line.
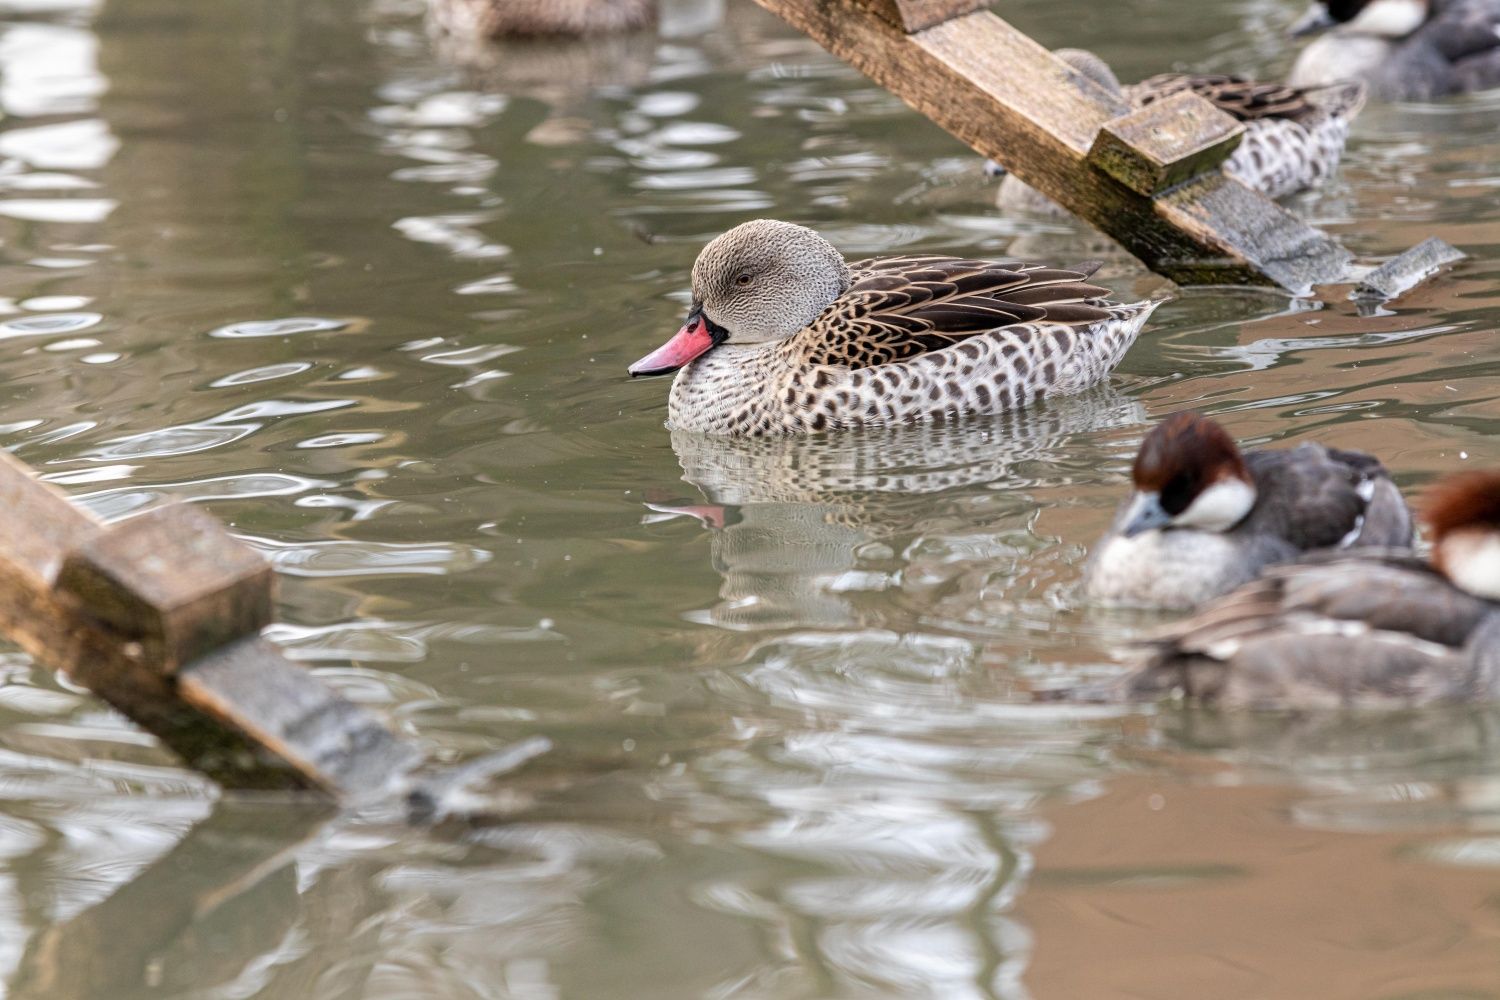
373, 307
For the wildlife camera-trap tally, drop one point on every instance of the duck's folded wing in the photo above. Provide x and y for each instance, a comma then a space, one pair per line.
1255, 101
901, 307
1380, 589
1246, 100
1465, 29
1316, 497
1333, 629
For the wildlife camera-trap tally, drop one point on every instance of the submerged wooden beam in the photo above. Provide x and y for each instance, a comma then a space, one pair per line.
1011, 100
231, 877
159, 615
1402, 273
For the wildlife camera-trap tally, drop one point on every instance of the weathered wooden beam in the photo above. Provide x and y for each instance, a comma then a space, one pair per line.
174, 579
916, 15
1011, 100
1165, 143
95, 601
1403, 272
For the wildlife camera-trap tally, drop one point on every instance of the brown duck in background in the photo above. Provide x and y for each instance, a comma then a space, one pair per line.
533, 18
1294, 137
1338, 630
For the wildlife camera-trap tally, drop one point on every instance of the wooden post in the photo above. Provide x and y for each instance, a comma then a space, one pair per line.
1165, 143
914, 15
1012, 100
159, 615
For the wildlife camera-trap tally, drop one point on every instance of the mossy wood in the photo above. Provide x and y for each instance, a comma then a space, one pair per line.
1010, 99
159, 616
1165, 143
174, 580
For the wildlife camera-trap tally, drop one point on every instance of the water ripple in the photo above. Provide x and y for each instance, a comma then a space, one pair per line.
214, 432
120, 501
369, 559
278, 327
48, 324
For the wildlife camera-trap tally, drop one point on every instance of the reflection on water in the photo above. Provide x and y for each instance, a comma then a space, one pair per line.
814, 526
369, 299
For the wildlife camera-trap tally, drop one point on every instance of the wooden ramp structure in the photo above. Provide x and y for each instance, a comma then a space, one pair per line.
1148, 178
160, 616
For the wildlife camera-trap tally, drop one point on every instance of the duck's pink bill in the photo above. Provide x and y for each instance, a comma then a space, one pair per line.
692, 341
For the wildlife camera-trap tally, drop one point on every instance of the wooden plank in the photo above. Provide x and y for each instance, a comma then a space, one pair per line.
1013, 101
244, 715
1166, 143
917, 15
1402, 273
174, 580
1215, 208
39, 525
250, 687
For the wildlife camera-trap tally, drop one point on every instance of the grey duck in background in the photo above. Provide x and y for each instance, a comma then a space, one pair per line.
1404, 50
1378, 629
1205, 517
1294, 137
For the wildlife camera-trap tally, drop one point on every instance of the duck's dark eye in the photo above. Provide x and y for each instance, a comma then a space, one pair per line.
742, 280
1344, 11
1178, 493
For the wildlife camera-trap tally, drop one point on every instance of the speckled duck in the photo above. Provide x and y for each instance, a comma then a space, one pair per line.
785, 337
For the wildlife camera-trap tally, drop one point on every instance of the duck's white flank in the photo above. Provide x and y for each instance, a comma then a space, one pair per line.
1390, 18
1220, 507
1471, 558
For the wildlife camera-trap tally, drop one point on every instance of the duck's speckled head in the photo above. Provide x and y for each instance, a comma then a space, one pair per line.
1189, 473
761, 281
1463, 513
1384, 18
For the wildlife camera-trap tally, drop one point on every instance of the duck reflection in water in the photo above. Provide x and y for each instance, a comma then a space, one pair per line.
820, 530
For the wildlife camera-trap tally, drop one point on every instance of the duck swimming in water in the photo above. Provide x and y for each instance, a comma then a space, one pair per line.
785, 337
1377, 629
1294, 137
1206, 517
539, 18
1404, 50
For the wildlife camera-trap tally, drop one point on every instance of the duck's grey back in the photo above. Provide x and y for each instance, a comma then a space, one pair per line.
1457, 50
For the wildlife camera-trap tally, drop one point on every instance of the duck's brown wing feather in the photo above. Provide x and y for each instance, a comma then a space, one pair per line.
901, 307
1247, 100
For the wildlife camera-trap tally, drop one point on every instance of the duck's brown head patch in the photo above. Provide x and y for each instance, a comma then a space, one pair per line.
1183, 456
1466, 501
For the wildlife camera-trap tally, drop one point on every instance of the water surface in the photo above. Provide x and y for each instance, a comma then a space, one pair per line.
370, 300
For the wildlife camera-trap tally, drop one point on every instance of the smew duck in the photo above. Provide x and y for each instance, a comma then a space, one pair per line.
1294, 136
1405, 50
785, 337
1204, 517
1374, 629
